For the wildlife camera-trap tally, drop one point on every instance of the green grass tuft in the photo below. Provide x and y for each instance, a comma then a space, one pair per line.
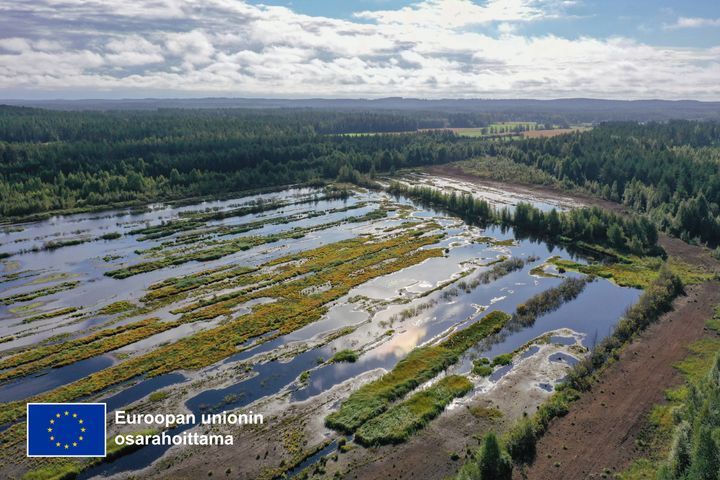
345, 356
398, 423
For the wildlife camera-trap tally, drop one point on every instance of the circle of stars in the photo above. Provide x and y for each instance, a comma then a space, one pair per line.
52, 437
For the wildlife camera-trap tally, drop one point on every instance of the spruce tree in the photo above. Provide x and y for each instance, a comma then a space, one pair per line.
495, 464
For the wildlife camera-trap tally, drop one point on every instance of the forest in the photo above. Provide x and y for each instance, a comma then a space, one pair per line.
671, 171
65, 161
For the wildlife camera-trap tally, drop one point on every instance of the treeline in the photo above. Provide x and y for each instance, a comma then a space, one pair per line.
592, 225
669, 170
695, 452
23, 125
19, 124
99, 159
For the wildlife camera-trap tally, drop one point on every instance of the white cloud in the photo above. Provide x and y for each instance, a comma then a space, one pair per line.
18, 45
132, 51
456, 13
47, 46
684, 22
506, 27
194, 47
435, 48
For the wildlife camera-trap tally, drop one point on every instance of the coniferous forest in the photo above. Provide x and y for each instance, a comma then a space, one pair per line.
64, 160
60, 161
669, 170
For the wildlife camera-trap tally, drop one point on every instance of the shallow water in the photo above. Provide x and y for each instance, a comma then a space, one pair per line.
595, 310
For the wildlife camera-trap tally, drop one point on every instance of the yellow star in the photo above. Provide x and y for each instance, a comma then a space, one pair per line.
58, 415
49, 429
74, 444
66, 413
74, 414
80, 421
82, 429
80, 438
52, 421
57, 444
52, 438
66, 446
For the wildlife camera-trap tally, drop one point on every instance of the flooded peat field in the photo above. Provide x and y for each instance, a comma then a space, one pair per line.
241, 305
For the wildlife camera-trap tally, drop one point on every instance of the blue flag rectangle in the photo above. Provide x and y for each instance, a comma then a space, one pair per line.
66, 429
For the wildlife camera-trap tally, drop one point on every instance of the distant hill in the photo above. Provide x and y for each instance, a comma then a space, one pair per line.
638, 110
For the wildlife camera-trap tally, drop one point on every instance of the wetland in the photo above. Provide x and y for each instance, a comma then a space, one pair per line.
350, 318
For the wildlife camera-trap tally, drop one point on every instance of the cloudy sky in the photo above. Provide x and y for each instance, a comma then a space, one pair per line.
622, 49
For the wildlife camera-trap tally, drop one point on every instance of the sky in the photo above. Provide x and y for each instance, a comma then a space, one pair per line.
617, 49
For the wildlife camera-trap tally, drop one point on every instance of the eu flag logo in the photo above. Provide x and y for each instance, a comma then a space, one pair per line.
66, 429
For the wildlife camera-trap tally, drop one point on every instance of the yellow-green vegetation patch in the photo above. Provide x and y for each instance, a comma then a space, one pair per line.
540, 271
502, 360
489, 414
25, 297
695, 366
60, 469
117, 307
641, 469
502, 168
56, 313
25, 308
402, 420
510, 242
714, 323
419, 366
345, 356
53, 277
636, 272
158, 396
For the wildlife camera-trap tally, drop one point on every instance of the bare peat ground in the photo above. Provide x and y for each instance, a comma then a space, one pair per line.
540, 192
604, 436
